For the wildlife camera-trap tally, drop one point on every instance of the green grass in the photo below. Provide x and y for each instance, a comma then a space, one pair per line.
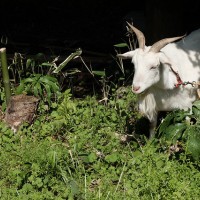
77, 152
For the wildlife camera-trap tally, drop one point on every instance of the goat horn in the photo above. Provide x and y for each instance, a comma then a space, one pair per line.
140, 36
156, 47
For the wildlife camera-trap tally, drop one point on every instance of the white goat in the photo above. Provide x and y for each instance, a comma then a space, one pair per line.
163, 72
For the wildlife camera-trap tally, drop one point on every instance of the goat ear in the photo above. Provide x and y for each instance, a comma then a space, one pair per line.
163, 58
127, 55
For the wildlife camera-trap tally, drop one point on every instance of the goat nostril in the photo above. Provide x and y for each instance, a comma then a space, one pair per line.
135, 89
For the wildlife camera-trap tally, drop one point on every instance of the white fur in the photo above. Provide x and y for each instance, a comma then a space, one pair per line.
154, 81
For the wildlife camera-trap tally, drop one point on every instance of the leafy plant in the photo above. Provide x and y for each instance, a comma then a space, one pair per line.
183, 126
22, 66
45, 87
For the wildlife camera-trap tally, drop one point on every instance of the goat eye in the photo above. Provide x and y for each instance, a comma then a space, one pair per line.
153, 67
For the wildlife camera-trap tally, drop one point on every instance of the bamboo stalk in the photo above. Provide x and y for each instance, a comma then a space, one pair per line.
78, 52
5, 74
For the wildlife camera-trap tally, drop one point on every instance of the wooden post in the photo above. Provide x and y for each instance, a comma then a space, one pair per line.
5, 74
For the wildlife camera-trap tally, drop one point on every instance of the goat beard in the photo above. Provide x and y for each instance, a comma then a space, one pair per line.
147, 105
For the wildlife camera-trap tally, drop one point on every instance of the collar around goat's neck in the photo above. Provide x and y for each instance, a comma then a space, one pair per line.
178, 78
179, 81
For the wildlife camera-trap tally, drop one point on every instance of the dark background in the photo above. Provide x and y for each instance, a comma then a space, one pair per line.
32, 26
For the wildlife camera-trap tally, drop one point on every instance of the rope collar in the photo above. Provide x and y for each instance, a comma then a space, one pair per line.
180, 82
193, 84
178, 78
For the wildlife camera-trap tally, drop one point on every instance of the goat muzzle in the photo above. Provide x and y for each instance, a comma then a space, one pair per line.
135, 88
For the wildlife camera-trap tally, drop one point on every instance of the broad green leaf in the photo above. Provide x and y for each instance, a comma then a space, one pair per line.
48, 91
53, 85
29, 88
28, 80
180, 116
112, 157
37, 76
38, 90
137, 153
51, 78
160, 164
74, 187
196, 108
35, 90
196, 111
20, 88
167, 121
174, 132
92, 157
197, 104
193, 142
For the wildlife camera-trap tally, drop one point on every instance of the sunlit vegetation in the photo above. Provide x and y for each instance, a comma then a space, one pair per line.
93, 147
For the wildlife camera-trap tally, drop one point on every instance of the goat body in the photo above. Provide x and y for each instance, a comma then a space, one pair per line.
160, 71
